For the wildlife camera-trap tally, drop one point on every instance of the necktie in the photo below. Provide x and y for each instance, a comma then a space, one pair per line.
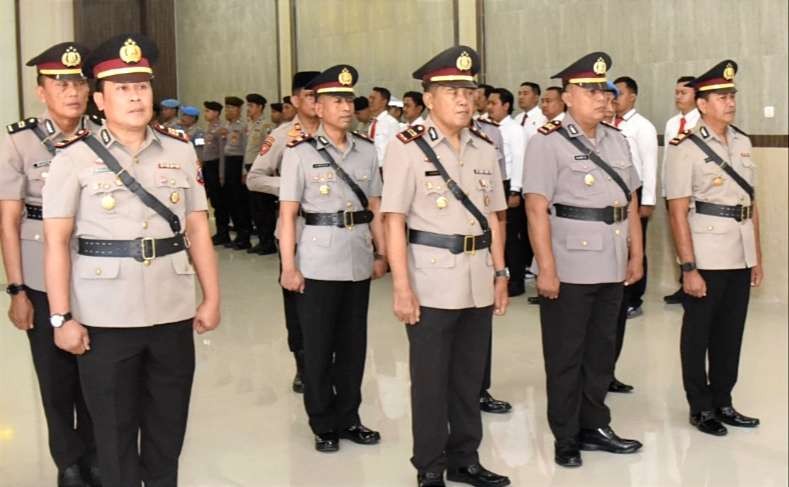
617, 121
523, 120
682, 125
372, 128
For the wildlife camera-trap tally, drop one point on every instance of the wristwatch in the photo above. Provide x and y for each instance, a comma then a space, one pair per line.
688, 266
14, 289
58, 320
505, 273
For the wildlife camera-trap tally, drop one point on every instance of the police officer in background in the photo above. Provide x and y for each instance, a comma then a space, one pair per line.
125, 222
25, 157
443, 181
189, 117
579, 184
168, 112
276, 114
710, 179
333, 180
262, 206
213, 167
264, 177
234, 191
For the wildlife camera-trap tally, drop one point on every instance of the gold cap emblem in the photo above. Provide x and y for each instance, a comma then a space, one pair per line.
71, 57
464, 62
345, 78
600, 67
130, 52
728, 72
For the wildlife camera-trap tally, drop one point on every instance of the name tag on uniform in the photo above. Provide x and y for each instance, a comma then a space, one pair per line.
484, 172
432, 173
199, 141
323, 164
581, 157
101, 170
169, 165
41, 164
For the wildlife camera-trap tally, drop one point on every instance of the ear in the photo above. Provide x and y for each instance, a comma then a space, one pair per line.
41, 93
98, 99
701, 104
319, 109
567, 98
428, 99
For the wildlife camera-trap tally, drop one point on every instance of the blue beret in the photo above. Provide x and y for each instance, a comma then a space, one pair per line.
609, 86
170, 103
190, 110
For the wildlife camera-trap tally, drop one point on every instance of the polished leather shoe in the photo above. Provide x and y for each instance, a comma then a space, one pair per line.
616, 386
478, 476
534, 300
298, 384
634, 312
89, 464
706, 422
490, 405
220, 239
241, 244
430, 479
268, 249
731, 417
567, 454
360, 434
605, 439
71, 476
675, 298
327, 442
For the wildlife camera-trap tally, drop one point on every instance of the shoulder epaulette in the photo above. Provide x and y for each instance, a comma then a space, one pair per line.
550, 127
611, 126
482, 135
171, 132
679, 138
738, 130
298, 140
27, 123
363, 136
79, 135
411, 133
488, 121
96, 119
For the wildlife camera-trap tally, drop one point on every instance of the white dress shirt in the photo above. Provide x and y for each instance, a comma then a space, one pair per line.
531, 121
642, 136
672, 130
382, 130
514, 147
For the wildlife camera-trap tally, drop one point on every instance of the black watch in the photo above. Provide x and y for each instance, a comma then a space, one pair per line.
58, 320
14, 289
688, 266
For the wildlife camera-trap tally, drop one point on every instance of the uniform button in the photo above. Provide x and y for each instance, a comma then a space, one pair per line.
98, 271
617, 232
608, 178
37, 237
314, 239
584, 243
349, 204
145, 225
471, 222
136, 160
433, 261
146, 263
709, 228
616, 202
460, 162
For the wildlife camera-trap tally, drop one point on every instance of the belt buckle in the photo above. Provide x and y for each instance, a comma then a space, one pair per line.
347, 219
146, 257
187, 242
469, 245
620, 213
745, 212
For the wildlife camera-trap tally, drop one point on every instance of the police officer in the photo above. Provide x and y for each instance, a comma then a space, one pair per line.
333, 179
168, 112
264, 177
276, 115
579, 183
213, 166
262, 206
122, 297
443, 181
25, 157
234, 191
189, 117
710, 177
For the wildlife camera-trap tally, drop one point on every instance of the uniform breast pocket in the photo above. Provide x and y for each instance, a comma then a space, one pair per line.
362, 178
435, 194
320, 186
484, 188
97, 268
587, 179
108, 193
588, 243
171, 187
748, 169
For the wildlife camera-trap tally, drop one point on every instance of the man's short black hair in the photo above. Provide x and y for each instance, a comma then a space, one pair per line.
505, 96
629, 82
287, 100
416, 97
685, 79
360, 103
557, 89
488, 89
386, 94
534, 87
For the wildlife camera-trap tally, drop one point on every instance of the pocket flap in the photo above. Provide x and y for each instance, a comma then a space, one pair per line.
105, 184
181, 263
171, 179
98, 267
585, 242
362, 174
437, 259
707, 226
317, 235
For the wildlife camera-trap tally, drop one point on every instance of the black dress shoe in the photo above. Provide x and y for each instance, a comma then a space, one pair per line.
268, 248
361, 434
634, 312
220, 238
731, 417
490, 405
430, 479
706, 422
241, 244
675, 298
478, 476
567, 454
516, 289
71, 476
89, 464
298, 384
534, 300
616, 386
327, 442
254, 250
605, 439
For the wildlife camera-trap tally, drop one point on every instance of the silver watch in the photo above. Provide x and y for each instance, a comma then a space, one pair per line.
505, 273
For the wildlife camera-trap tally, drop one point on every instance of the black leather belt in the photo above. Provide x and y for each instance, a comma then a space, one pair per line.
456, 244
608, 215
140, 249
737, 212
34, 212
342, 219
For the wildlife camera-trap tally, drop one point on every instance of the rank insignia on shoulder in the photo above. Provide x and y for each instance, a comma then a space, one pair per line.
411, 133
298, 140
171, 132
482, 135
679, 138
295, 131
488, 121
81, 134
363, 136
27, 123
550, 127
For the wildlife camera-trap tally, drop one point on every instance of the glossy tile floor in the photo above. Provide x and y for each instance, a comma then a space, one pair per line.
248, 429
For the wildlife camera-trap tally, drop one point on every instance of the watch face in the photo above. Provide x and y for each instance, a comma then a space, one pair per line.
56, 320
